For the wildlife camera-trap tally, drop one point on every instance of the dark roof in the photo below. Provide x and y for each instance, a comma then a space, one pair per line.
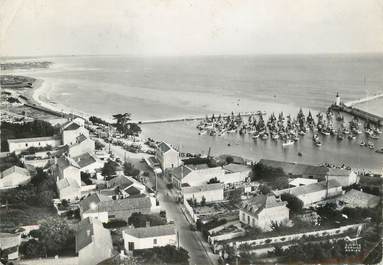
91, 230
152, 231
164, 147
81, 138
121, 181
83, 237
180, 172
132, 190
339, 172
84, 160
72, 126
64, 162
296, 169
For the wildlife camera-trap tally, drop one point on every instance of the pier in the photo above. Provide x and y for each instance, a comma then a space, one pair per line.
197, 118
349, 108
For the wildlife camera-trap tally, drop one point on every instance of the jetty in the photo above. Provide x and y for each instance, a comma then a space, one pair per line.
350, 108
197, 118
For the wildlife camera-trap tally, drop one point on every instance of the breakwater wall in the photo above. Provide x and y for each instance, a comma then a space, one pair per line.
196, 118
46, 110
364, 115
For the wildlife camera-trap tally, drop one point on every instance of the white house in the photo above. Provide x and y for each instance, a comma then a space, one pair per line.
71, 130
105, 209
65, 167
9, 245
185, 175
167, 156
343, 176
211, 192
262, 211
68, 189
82, 144
18, 145
149, 237
93, 242
313, 193
14, 177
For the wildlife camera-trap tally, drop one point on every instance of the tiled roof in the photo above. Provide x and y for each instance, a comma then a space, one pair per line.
151, 231
72, 126
35, 139
164, 147
296, 169
84, 160
302, 181
14, 169
64, 162
91, 230
132, 190
236, 168
127, 204
359, 198
8, 240
121, 181
310, 188
339, 172
182, 171
81, 138
95, 198
65, 183
255, 205
202, 188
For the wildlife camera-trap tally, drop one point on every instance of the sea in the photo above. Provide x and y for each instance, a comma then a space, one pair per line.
156, 88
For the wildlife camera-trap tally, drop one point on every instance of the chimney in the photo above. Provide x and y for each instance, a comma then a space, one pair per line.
147, 223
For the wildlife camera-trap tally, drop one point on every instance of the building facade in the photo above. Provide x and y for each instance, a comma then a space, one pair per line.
18, 145
167, 156
14, 177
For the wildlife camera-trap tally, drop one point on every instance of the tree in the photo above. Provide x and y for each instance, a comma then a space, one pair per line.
109, 168
235, 196
264, 189
99, 145
213, 180
266, 173
130, 170
203, 201
32, 249
56, 235
281, 183
293, 202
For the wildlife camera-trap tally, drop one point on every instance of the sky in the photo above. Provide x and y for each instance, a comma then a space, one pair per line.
189, 27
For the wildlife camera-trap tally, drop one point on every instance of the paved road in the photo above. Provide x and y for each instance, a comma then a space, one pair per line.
188, 238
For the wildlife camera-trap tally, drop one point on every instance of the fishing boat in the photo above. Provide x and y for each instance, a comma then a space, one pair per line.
300, 154
275, 136
203, 132
325, 132
370, 145
380, 151
362, 143
265, 136
351, 137
301, 133
373, 136
318, 143
339, 137
287, 143
378, 131
255, 136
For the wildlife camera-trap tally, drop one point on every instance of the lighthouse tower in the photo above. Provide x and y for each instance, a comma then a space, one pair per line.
337, 99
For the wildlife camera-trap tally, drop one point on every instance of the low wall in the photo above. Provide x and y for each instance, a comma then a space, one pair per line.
190, 211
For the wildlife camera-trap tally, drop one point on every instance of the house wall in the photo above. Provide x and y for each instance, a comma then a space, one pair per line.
169, 159
20, 146
92, 167
211, 195
233, 178
148, 242
94, 254
314, 197
265, 217
13, 180
86, 146
69, 137
72, 173
102, 216
345, 180
70, 193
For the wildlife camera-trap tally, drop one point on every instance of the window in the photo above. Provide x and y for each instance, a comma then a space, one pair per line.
131, 246
243, 217
155, 241
112, 216
248, 219
26, 144
253, 221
